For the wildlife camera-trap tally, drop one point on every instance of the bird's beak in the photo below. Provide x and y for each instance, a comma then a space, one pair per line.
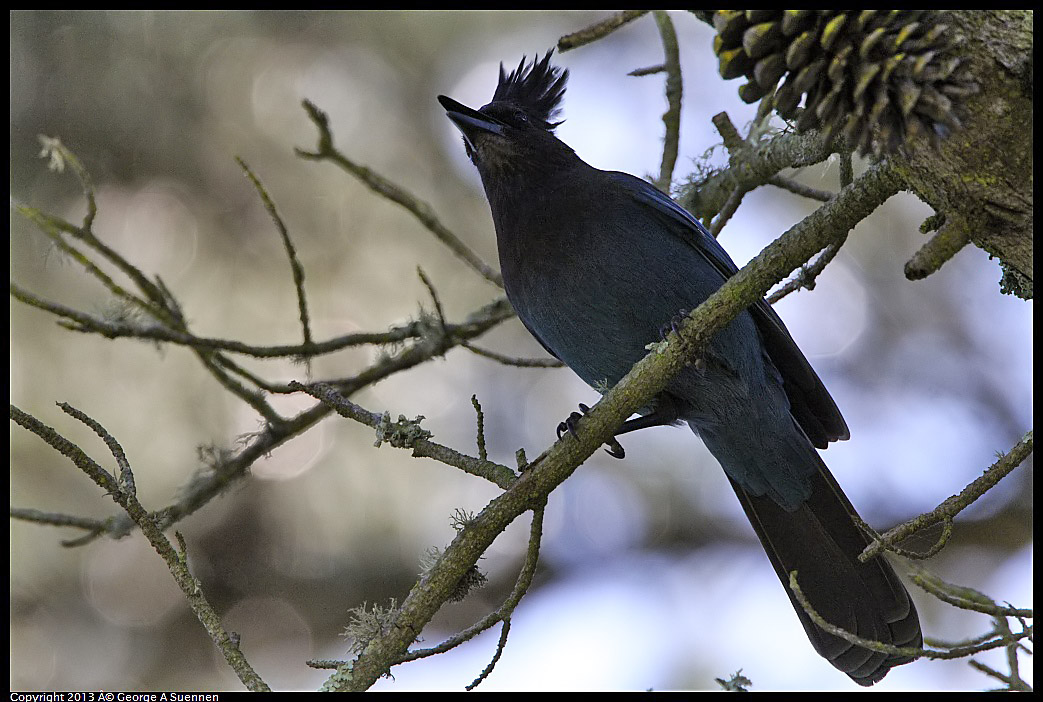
470, 122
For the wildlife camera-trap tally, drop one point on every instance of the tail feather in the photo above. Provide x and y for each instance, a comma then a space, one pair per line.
821, 542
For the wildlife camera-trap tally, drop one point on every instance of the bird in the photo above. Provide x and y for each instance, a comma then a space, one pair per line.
599, 264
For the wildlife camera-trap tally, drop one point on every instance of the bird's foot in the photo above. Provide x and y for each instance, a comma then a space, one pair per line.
569, 425
674, 325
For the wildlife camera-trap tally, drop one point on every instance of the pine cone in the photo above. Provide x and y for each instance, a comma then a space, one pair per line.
879, 77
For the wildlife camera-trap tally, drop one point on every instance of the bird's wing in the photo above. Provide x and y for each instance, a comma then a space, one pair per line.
810, 402
538, 338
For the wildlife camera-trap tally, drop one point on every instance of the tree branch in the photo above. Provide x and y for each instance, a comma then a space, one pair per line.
123, 494
326, 151
957, 503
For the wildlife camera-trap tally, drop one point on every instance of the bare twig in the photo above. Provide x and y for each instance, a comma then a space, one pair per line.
599, 30
504, 631
513, 360
146, 522
910, 651
798, 188
129, 328
402, 436
647, 70
1013, 683
291, 251
964, 597
326, 151
117, 526
483, 455
672, 116
735, 145
705, 195
58, 155
56, 227
434, 299
85, 232
952, 235
808, 273
957, 503
505, 610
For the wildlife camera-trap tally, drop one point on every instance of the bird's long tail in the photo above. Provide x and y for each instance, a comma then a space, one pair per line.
821, 542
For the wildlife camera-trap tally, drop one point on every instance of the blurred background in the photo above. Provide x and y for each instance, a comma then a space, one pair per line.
650, 576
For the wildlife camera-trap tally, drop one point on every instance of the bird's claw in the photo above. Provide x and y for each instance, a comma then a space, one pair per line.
569, 425
674, 325
615, 449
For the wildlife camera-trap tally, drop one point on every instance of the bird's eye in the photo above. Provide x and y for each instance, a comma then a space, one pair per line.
520, 116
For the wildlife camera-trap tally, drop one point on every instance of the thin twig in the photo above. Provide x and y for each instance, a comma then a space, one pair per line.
950, 238
54, 227
801, 189
85, 232
807, 274
935, 642
672, 116
326, 151
599, 30
115, 526
125, 477
647, 70
731, 205
483, 454
129, 502
705, 195
892, 650
735, 145
214, 363
291, 251
1012, 682
521, 586
957, 503
129, 328
963, 597
504, 631
434, 299
422, 447
513, 360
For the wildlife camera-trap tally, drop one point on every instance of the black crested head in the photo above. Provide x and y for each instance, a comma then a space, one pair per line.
512, 138
536, 88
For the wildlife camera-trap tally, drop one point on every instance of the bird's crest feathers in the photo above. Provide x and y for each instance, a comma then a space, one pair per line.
537, 88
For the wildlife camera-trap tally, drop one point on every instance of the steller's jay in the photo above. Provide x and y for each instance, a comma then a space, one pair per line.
597, 264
